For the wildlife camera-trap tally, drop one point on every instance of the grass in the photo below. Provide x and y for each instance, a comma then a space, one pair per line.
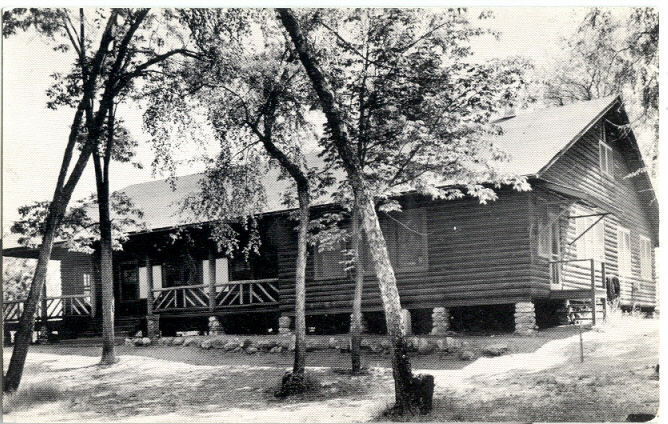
30, 395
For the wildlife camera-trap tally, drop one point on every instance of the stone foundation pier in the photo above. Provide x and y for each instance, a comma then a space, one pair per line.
525, 318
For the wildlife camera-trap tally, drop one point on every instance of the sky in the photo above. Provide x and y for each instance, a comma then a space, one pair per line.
33, 137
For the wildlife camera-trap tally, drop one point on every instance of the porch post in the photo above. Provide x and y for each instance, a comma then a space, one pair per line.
149, 283
212, 280
593, 293
152, 321
44, 330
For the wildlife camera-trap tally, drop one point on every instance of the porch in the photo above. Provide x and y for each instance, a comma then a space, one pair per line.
582, 281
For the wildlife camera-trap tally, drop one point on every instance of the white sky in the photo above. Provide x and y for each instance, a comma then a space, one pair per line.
34, 136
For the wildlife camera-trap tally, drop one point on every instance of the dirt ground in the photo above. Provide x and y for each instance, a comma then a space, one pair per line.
542, 379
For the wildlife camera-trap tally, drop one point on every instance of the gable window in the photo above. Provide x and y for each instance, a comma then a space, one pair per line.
645, 258
623, 251
591, 244
406, 239
605, 155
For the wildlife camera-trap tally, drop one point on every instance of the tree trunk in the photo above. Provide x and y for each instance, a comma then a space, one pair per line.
27, 321
300, 281
356, 319
106, 276
408, 391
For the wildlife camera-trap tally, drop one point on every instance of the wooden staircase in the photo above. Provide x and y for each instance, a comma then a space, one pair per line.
579, 311
123, 326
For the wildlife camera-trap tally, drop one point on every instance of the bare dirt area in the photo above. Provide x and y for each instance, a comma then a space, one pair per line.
617, 378
541, 379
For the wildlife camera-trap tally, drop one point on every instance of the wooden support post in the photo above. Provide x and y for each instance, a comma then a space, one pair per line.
149, 283
212, 280
605, 287
593, 293
45, 309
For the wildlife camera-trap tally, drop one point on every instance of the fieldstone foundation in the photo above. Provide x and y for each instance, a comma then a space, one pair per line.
214, 326
525, 318
284, 325
153, 326
440, 319
406, 322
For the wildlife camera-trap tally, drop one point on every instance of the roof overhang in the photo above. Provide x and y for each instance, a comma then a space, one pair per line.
573, 193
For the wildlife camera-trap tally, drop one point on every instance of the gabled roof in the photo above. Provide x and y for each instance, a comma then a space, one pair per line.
537, 139
533, 141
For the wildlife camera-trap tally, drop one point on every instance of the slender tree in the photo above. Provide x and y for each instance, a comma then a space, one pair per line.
108, 55
254, 97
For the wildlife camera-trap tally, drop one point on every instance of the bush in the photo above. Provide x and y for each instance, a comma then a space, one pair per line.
30, 395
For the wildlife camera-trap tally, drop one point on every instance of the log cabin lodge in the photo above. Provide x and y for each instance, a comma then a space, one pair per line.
585, 233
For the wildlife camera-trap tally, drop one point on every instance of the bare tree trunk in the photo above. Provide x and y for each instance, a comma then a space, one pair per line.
300, 281
106, 272
106, 253
356, 320
408, 392
27, 321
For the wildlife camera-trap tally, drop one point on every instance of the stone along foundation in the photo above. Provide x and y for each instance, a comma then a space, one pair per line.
440, 321
525, 318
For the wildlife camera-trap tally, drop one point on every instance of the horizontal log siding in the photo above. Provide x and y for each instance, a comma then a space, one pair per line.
478, 255
579, 168
72, 267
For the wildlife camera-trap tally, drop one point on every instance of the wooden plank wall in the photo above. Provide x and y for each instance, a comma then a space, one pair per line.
478, 255
579, 168
72, 267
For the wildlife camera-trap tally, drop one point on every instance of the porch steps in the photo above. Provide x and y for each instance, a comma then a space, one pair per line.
577, 311
123, 326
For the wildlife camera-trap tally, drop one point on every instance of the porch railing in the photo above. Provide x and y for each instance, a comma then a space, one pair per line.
56, 307
231, 294
579, 279
573, 274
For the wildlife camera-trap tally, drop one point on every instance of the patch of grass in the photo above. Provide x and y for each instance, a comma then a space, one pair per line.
30, 395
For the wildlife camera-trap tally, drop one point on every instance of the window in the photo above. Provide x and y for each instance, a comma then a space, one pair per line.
87, 282
156, 270
591, 244
605, 156
129, 281
405, 235
329, 263
624, 251
549, 236
645, 258
222, 272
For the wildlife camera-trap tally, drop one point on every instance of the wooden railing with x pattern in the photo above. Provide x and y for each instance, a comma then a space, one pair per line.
56, 307
231, 294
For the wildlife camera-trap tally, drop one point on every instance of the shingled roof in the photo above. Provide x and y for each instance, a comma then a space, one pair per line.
533, 141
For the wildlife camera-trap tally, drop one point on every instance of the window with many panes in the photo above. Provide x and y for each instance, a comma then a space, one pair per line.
406, 239
591, 244
605, 155
624, 264
645, 258
549, 235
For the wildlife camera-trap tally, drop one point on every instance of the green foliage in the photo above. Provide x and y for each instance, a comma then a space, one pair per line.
245, 92
16, 278
417, 110
613, 52
79, 229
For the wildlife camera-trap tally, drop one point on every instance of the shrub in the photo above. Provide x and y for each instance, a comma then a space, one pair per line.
30, 395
